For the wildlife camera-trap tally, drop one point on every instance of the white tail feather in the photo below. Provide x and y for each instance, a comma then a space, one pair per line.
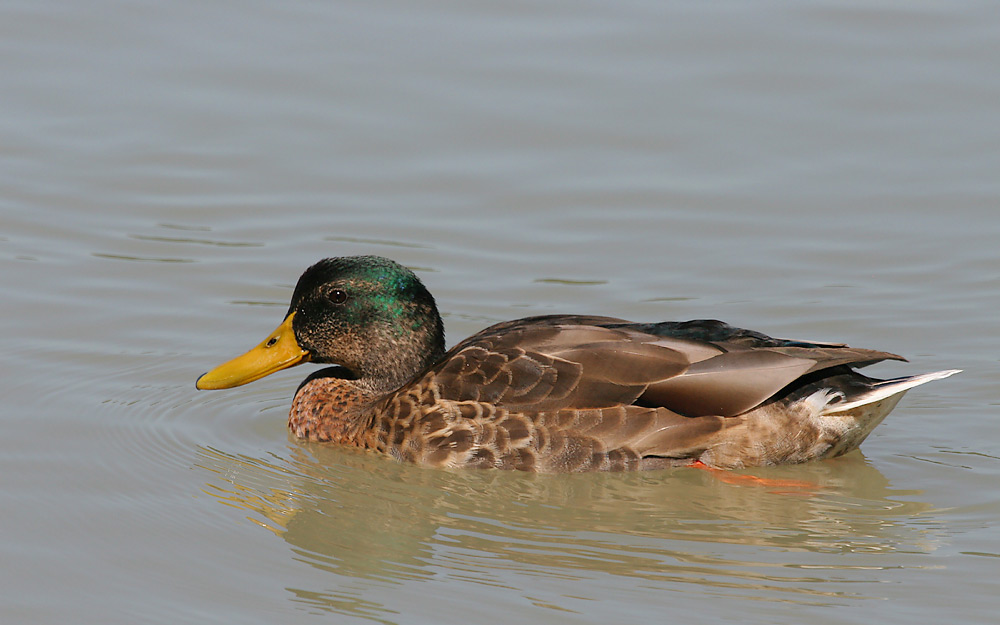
888, 388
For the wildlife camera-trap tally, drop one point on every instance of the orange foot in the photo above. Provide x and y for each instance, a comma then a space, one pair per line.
791, 487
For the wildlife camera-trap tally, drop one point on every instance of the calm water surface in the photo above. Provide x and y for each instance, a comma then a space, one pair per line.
824, 171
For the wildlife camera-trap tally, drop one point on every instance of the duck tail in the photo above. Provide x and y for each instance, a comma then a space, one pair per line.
885, 389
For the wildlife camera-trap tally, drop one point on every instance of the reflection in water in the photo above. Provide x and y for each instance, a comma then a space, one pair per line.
372, 521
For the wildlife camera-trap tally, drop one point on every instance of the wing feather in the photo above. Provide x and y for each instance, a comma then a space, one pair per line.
696, 368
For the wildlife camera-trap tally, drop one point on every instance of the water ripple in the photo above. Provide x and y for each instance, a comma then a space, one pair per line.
357, 515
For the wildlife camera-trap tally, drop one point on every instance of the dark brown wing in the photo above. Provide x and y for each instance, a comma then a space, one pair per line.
535, 367
736, 381
694, 368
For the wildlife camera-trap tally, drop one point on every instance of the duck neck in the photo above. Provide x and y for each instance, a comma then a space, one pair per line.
329, 406
399, 359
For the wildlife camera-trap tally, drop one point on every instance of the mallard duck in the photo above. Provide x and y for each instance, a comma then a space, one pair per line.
556, 393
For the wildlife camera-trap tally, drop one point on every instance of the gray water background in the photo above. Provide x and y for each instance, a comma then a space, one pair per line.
823, 170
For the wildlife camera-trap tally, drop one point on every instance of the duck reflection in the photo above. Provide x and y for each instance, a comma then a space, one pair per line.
361, 517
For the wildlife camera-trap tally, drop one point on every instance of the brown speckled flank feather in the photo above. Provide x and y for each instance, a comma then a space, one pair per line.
566, 393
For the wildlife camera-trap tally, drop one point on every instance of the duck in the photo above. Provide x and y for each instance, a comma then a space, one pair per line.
556, 393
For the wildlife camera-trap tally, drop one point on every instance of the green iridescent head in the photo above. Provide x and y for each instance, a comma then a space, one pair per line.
353, 310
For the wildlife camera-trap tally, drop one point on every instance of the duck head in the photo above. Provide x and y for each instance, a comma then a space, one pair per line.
367, 314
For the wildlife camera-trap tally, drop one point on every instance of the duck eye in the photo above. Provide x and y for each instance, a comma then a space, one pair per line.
337, 296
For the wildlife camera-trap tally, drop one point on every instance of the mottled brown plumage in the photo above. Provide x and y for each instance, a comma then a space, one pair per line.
560, 392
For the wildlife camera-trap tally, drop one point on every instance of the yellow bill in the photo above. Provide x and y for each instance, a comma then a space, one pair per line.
279, 351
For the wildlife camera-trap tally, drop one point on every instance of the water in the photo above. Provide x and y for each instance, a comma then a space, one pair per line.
824, 171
